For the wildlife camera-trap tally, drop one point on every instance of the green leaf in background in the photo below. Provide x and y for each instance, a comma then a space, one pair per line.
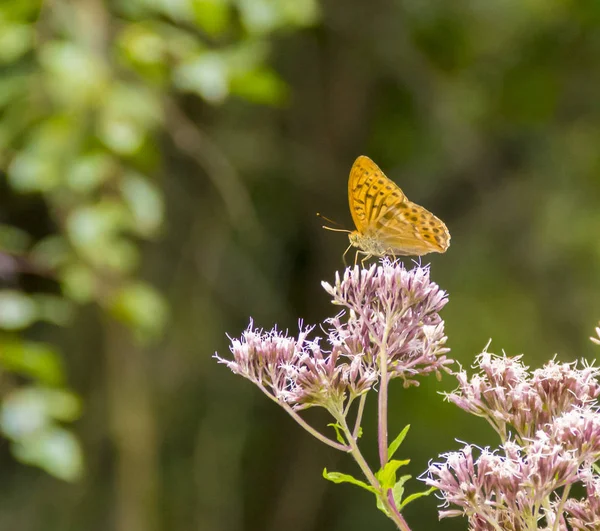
79, 282
12, 86
17, 310
13, 239
260, 16
300, 12
55, 450
31, 172
140, 306
261, 85
95, 232
393, 447
75, 76
88, 172
145, 203
15, 40
35, 360
53, 309
29, 410
338, 477
38, 167
206, 74
129, 113
213, 16
51, 252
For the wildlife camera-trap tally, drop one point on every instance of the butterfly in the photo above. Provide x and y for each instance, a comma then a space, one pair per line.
387, 223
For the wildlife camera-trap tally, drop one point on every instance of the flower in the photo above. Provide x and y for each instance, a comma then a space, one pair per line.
526, 481
584, 514
391, 314
507, 395
597, 338
392, 310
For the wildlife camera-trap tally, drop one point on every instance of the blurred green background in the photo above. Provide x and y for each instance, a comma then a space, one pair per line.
161, 164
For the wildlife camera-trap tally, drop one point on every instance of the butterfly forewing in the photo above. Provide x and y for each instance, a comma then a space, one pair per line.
370, 193
386, 221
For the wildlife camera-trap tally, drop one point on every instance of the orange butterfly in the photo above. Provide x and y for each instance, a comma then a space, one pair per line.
387, 223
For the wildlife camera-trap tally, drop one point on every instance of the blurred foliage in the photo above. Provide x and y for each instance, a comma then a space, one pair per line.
83, 89
161, 164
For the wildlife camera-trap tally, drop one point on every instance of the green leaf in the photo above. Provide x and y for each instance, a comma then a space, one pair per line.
51, 252
55, 450
30, 409
301, 12
380, 505
206, 74
338, 432
53, 309
78, 282
393, 447
94, 230
415, 496
338, 477
36, 360
141, 307
15, 40
13, 239
129, 113
212, 16
75, 75
145, 203
88, 172
261, 85
17, 310
387, 475
398, 490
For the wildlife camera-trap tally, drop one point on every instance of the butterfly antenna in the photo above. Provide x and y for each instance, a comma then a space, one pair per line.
319, 215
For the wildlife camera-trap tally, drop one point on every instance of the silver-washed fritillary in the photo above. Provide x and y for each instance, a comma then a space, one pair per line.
387, 223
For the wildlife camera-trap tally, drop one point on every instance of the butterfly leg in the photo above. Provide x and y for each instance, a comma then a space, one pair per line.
344, 256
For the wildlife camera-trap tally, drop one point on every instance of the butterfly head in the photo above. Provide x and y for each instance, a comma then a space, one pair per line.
354, 238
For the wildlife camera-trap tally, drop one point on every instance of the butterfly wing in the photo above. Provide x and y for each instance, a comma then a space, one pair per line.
369, 193
409, 229
382, 213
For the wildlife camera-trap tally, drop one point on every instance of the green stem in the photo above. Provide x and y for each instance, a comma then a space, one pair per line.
359, 414
386, 500
382, 403
318, 435
559, 510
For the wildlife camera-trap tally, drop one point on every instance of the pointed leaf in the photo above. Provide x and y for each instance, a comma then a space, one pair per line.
338, 477
397, 442
380, 505
398, 490
387, 475
415, 496
338, 433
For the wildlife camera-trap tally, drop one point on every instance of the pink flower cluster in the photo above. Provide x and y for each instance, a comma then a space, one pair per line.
392, 309
550, 429
387, 309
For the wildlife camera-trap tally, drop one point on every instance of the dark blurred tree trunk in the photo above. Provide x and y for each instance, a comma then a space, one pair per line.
133, 424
